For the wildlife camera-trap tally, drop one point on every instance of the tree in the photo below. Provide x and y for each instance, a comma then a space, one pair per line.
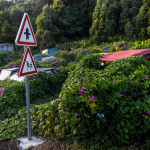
94, 31
44, 24
129, 30
143, 20
51, 24
4, 4
147, 6
5, 30
105, 20
129, 11
112, 17
57, 6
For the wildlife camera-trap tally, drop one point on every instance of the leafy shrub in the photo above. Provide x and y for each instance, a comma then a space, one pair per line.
142, 44
92, 61
118, 46
42, 86
84, 52
52, 63
6, 58
75, 44
108, 105
67, 56
44, 118
12, 64
12, 97
105, 104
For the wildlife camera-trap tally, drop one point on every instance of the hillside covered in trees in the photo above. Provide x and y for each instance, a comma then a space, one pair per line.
88, 104
58, 21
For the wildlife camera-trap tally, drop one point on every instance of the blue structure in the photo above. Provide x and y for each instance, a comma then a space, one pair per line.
51, 50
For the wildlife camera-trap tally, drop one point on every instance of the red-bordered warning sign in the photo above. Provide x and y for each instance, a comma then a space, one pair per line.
27, 64
25, 35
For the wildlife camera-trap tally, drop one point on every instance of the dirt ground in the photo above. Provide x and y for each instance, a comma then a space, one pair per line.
9, 145
50, 144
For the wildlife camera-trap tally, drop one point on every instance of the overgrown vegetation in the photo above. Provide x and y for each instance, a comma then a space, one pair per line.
6, 60
100, 105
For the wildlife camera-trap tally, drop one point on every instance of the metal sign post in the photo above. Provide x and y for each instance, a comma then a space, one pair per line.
27, 68
25, 37
28, 107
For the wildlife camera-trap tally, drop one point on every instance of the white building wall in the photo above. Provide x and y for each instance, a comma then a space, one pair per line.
5, 48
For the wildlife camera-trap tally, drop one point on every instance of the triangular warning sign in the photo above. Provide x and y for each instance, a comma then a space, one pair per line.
27, 64
25, 35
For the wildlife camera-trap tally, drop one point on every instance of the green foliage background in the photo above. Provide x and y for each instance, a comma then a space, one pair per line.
60, 21
101, 105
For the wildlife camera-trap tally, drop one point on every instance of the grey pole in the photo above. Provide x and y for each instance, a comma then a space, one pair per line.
28, 108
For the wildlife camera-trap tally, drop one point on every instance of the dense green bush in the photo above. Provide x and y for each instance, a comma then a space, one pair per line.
67, 56
75, 44
6, 58
12, 98
42, 86
44, 118
54, 63
13, 64
127, 45
92, 61
81, 52
109, 105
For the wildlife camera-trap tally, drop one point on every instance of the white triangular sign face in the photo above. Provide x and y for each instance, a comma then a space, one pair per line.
27, 65
25, 34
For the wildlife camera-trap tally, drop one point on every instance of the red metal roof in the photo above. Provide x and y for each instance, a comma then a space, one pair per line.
124, 54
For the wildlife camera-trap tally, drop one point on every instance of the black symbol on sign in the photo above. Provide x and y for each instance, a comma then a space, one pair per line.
27, 34
29, 65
